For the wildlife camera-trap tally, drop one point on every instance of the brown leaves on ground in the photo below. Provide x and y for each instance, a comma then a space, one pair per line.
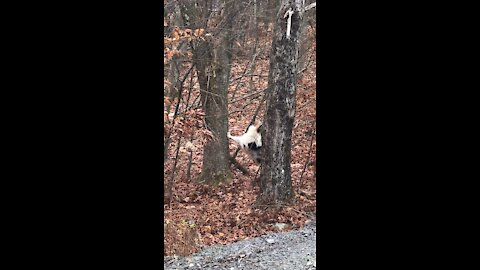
227, 214
206, 215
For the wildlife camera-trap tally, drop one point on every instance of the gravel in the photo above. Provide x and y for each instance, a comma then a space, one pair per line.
290, 250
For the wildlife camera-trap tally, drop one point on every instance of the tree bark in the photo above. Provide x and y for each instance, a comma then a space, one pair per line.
275, 179
212, 58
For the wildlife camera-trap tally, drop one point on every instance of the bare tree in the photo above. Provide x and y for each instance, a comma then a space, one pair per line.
212, 58
275, 179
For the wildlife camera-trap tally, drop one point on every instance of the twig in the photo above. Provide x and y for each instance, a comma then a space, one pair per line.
190, 161
244, 106
307, 65
250, 75
312, 5
248, 95
255, 178
247, 68
175, 114
170, 184
307, 162
303, 213
190, 88
238, 165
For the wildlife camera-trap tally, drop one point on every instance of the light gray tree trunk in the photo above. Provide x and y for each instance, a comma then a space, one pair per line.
275, 179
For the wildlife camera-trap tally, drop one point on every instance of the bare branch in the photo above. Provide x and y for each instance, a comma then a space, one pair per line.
248, 95
312, 5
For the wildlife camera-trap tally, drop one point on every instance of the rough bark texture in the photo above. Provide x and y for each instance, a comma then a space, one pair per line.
212, 58
275, 179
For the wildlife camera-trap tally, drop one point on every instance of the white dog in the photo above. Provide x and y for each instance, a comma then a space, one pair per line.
250, 141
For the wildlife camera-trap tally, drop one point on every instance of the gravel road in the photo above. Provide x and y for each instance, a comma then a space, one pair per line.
292, 250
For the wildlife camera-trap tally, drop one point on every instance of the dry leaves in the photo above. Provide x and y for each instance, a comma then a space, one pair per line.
225, 214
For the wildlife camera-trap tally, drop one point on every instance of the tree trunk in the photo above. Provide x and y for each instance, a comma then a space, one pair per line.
275, 180
212, 58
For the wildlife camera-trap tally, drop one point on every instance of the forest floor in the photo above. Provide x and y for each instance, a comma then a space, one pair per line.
198, 215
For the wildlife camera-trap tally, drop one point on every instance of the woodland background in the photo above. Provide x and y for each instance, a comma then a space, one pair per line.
203, 214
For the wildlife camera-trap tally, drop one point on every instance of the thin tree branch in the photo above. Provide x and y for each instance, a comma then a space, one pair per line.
171, 182
312, 5
248, 95
307, 162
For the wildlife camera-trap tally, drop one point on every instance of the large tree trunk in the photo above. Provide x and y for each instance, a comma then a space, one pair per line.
275, 179
212, 58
